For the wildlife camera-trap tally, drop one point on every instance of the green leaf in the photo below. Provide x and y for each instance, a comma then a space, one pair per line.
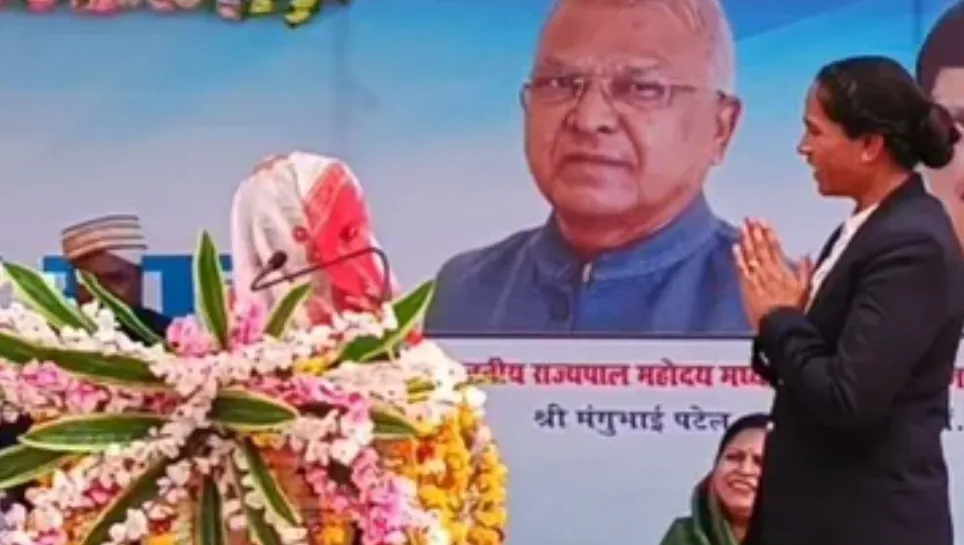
35, 292
123, 313
409, 311
90, 433
141, 490
242, 410
258, 528
210, 297
21, 464
281, 314
267, 485
391, 424
18, 351
208, 521
114, 369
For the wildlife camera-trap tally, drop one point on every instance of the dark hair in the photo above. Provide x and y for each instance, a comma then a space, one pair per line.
754, 421
943, 47
876, 95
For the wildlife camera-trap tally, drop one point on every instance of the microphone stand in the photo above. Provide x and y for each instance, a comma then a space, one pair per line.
279, 258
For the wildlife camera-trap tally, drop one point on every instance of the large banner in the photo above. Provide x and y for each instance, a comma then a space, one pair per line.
460, 158
605, 440
451, 113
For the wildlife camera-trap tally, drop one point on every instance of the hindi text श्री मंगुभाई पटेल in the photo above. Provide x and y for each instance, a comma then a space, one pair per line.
610, 422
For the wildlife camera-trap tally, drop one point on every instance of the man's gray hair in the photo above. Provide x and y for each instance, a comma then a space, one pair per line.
705, 18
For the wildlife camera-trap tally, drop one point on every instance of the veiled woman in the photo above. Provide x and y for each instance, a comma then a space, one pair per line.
310, 208
722, 502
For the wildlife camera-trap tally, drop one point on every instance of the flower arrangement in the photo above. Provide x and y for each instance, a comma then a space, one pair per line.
240, 427
296, 12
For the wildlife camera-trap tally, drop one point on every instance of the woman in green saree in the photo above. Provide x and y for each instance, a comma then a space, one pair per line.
723, 501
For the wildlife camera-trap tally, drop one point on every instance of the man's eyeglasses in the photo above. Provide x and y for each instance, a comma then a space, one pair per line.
639, 94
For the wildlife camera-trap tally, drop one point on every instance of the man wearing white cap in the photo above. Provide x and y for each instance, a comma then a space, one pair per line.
112, 248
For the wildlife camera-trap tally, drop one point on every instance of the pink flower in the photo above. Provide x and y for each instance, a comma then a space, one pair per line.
248, 320
40, 6
100, 495
187, 338
45, 376
233, 10
53, 537
96, 7
85, 398
162, 5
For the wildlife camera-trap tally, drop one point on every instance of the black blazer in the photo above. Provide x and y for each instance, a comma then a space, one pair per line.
861, 388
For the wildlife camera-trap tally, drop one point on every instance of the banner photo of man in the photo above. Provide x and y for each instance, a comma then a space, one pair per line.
570, 172
578, 177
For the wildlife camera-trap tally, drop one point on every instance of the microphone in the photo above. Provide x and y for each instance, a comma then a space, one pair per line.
275, 263
280, 258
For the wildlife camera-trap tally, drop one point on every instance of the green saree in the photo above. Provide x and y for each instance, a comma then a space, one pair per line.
705, 525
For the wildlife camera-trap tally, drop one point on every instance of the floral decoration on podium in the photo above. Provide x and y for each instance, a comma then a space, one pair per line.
240, 427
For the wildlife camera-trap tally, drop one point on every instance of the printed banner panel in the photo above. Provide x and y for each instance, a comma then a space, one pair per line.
605, 440
441, 110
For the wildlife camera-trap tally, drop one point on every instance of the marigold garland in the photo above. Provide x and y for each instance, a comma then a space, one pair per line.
294, 12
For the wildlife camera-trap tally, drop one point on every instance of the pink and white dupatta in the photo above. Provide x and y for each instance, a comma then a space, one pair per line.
312, 208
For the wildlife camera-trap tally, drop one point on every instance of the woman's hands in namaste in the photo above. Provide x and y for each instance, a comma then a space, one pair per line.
767, 282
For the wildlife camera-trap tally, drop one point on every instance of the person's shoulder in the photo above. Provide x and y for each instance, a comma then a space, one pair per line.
920, 223
720, 249
489, 263
681, 532
469, 284
725, 232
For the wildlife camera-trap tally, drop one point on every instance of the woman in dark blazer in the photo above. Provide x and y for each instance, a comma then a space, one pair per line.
861, 349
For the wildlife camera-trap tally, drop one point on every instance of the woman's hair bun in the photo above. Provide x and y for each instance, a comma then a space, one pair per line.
936, 136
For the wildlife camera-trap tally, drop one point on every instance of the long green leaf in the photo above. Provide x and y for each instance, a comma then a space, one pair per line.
21, 464
391, 424
242, 410
141, 490
123, 313
210, 295
90, 433
258, 528
281, 314
19, 351
208, 520
267, 485
34, 291
409, 311
114, 369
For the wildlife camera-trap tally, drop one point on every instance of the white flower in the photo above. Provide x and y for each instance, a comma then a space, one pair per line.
437, 535
291, 536
253, 500
475, 398
47, 519
180, 473
237, 523
345, 451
